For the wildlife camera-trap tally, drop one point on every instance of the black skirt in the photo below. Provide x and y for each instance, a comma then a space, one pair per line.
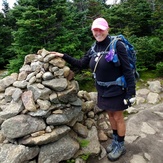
112, 103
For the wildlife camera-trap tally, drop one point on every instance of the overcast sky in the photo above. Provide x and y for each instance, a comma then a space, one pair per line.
11, 2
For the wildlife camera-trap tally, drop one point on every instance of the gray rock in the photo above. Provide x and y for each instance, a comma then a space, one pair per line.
9, 80
11, 110
17, 94
22, 75
2, 86
142, 92
32, 74
58, 62
155, 86
64, 118
32, 80
39, 113
63, 149
54, 98
21, 125
42, 93
20, 84
36, 66
2, 95
43, 104
93, 148
56, 84
153, 98
69, 95
47, 76
8, 93
26, 68
28, 101
29, 58
46, 138
84, 95
2, 137
81, 130
10, 153
49, 57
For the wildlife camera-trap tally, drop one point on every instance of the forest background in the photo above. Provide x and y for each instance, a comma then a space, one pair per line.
64, 26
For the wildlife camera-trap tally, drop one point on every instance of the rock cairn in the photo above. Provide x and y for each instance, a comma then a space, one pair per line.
45, 118
41, 114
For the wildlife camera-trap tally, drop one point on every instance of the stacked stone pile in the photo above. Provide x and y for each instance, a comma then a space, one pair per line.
41, 113
45, 118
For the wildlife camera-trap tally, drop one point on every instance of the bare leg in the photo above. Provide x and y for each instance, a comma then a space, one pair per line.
120, 123
112, 120
113, 124
117, 122
116, 149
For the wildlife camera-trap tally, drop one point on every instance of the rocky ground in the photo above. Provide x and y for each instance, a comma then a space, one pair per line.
144, 137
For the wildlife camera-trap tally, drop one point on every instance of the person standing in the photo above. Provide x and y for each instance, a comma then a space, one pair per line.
110, 95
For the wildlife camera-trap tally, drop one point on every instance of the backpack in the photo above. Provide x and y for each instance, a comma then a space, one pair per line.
130, 52
114, 58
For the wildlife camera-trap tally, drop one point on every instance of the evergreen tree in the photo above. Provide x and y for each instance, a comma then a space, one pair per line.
64, 26
55, 25
131, 18
36, 28
156, 21
5, 36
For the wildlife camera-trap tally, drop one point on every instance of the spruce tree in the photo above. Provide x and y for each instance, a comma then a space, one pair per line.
5, 35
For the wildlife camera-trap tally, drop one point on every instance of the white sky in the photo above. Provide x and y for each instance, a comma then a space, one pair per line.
112, 1
11, 2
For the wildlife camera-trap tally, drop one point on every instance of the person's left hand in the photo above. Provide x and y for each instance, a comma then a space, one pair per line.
130, 101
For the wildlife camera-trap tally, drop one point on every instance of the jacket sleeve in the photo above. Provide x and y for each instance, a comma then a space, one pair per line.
79, 63
126, 69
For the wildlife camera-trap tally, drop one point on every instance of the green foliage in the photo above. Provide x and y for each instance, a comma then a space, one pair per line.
83, 76
5, 41
64, 26
159, 69
149, 50
14, 65
125, 113
146, 76
85, 156
35, 30
149, 74
70, 161
85, 80
156, 21
83, 142
130, 18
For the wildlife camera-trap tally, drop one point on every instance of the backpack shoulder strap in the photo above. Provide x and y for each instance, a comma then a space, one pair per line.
114, 40
92, 51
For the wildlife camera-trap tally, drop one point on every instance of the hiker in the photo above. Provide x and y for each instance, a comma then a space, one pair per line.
112, 97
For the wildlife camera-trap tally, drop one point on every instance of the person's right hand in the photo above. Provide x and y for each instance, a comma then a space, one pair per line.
56, 54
